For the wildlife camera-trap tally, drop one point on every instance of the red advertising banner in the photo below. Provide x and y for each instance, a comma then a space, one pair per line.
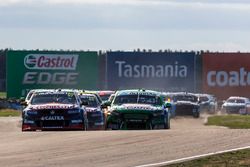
226, 74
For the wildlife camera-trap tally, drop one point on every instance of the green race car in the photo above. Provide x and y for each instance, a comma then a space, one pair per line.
137, 109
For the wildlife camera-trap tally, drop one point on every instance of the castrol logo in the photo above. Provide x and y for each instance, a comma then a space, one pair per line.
51, 61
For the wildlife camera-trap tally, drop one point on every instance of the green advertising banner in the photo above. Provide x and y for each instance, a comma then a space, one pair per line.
50, 69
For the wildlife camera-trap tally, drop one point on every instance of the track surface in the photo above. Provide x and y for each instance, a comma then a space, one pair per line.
187, 137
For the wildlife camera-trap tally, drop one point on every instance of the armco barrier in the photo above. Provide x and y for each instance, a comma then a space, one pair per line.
50, 69
226, 74
167, 71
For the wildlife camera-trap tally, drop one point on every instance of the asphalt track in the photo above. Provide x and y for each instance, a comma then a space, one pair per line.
187, 137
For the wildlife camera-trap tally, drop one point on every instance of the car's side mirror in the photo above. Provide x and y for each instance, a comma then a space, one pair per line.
167, 105
24, 103
105, 104
22, 99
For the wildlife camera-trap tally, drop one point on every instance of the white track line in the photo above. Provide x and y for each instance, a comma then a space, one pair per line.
192, 157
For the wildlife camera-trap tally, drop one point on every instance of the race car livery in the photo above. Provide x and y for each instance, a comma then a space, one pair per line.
185, 104
55, 110
138, 109
236, 105
95, 115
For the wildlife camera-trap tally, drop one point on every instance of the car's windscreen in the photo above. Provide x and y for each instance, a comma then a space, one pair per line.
105, 97
90, 100
141, 99
236, 101
63, 98
204, 98
29, 95
185, 98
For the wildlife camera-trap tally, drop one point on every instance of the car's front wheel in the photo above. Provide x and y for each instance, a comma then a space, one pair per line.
167, 123
196, 115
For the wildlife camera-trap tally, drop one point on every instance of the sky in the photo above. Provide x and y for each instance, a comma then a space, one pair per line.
214, 25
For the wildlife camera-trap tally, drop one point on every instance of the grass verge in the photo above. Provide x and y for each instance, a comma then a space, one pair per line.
230, 121
231, 159
2, 94
9, 112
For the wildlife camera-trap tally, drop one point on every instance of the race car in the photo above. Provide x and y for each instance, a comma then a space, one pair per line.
95, 115
236, 105
138, 109
208, 103
105, 94
91, 92
54, 110
185, 104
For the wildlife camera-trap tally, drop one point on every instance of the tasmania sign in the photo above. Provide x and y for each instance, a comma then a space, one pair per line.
39, 69
152, 70
226, 74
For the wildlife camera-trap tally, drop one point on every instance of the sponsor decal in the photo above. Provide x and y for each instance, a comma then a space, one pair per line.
52, 118
76, 121
135, 120
99, 123
138, 108
91, 110
52, 107
51, 61
127, 70
140, 93
29, 121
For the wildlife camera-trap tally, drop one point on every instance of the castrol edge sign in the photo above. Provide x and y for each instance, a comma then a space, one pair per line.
226, 74
28, 70
51, 61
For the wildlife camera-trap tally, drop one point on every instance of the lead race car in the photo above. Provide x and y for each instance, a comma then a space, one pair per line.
54, 109
138, 109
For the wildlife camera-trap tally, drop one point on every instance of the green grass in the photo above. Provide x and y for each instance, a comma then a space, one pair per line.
9, 112
2, 94
231, 159
230, 121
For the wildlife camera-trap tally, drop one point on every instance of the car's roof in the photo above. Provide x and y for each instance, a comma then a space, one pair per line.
136, 91
105, 92
204, 94
87, 94
179, 93
56, 91
238, 97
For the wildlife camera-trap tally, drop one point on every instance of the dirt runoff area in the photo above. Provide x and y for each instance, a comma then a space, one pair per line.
187, 137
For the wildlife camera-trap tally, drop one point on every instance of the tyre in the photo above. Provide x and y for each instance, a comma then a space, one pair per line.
167, 123
196, 115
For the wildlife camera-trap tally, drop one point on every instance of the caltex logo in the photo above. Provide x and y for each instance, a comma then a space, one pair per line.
51, 61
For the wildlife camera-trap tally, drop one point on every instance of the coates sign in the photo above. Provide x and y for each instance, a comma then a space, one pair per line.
51, 61
226, 74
